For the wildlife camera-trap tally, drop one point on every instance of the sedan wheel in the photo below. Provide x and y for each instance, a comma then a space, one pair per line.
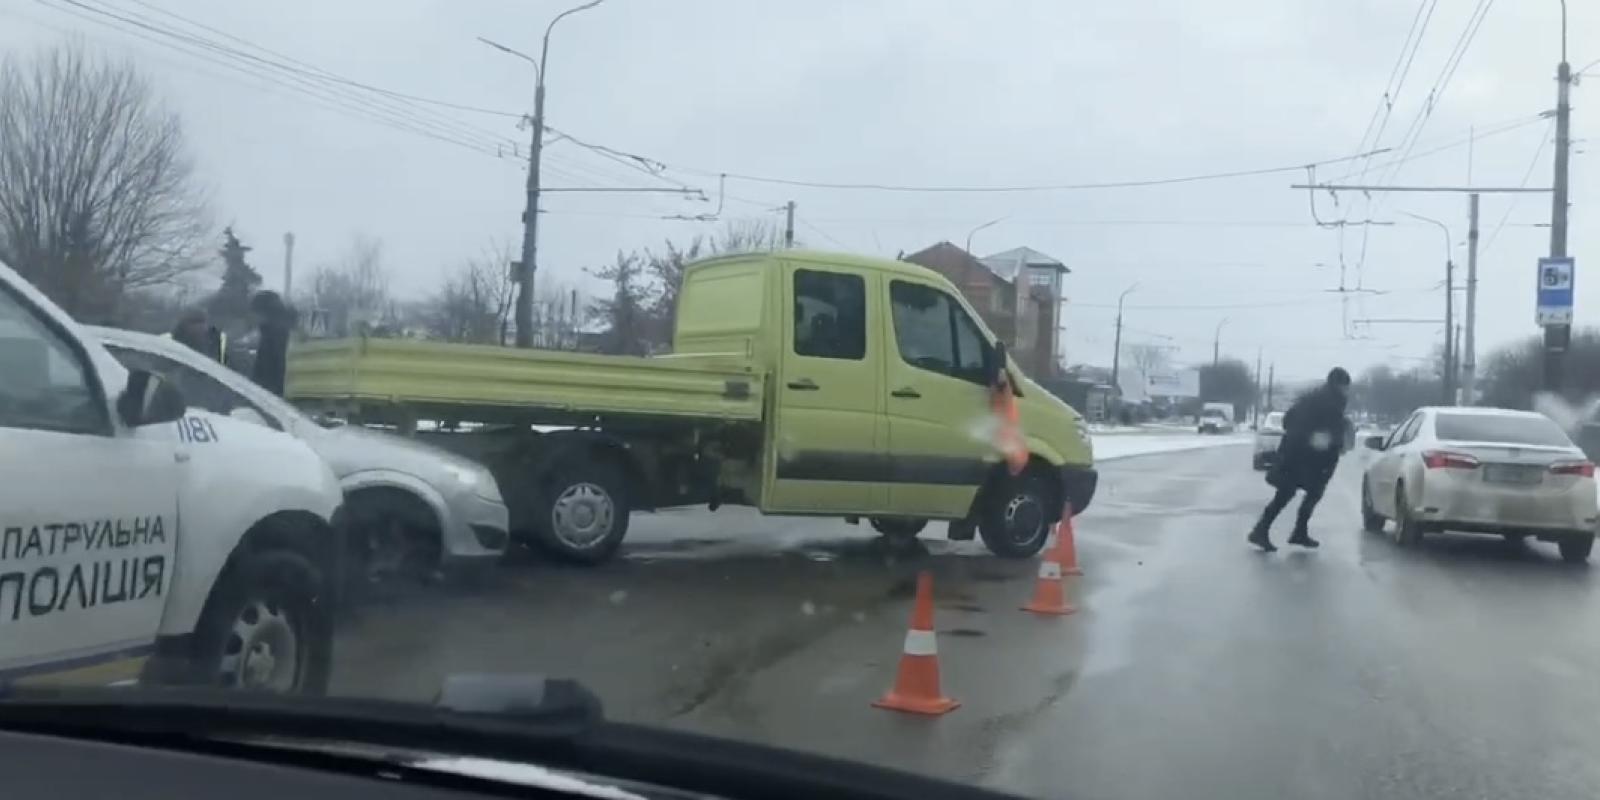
1371, 520
1407, 530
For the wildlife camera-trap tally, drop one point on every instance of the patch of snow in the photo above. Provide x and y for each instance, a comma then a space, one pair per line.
1109, 448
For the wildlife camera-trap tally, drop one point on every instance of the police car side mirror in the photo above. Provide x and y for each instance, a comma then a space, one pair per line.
1374, 442
149, 400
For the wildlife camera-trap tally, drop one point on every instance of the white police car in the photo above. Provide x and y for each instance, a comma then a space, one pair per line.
134, 530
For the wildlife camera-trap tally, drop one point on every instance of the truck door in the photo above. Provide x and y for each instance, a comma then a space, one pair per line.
940, 437
827, 438
88, 525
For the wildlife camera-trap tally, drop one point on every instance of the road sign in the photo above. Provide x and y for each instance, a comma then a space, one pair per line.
1554, 306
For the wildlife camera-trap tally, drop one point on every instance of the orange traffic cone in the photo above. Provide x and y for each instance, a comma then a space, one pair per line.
916, 686
1067, 544
1008, 435
1050, 590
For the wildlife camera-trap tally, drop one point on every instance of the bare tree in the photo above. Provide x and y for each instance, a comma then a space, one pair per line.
475, 301
624, 313
352, 296
97, 195
1146, 358
751, 235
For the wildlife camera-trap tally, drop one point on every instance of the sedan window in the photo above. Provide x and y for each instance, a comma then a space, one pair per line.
1518, 429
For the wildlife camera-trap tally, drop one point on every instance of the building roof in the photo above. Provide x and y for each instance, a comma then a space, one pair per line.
1009, 263
947, 256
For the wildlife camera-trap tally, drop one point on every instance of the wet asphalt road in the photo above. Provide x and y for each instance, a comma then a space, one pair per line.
1197, 667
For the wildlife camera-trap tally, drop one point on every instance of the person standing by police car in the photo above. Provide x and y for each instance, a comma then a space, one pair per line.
1314, 434
276, 320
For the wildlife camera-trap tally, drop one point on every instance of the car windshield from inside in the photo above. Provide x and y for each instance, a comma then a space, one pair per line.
1499, 429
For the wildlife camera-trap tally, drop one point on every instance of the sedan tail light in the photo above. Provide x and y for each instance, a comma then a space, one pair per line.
1584, 469
1443, 459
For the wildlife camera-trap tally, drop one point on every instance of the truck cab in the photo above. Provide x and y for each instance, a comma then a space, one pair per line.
880, 381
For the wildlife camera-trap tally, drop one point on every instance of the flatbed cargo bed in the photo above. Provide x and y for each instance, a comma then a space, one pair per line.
403, 380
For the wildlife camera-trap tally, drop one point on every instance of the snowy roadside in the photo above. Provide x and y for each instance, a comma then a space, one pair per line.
1107, 448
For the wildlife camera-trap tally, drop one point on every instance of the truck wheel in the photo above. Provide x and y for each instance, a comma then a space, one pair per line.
268, 627
583, 511
1015, 521
1575, 547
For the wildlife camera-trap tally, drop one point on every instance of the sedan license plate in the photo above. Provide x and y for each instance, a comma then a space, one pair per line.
1524, 474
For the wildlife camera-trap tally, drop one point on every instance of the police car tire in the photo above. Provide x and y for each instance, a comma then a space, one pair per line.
299, 586
573, 472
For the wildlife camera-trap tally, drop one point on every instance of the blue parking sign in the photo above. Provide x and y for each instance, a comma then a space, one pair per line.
1554, 305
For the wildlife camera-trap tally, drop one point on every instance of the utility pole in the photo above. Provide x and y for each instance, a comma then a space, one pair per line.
1469, 361
288, 265
1455, 369
1272, 371
788, 224
1557, 337
530, 212
1116, 346
1450, 350
1216, 342
1255, 401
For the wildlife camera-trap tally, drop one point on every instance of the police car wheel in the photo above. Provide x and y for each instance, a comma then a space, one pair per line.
267, 628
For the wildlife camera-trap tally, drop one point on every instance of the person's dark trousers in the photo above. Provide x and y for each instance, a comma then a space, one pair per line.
1281, 499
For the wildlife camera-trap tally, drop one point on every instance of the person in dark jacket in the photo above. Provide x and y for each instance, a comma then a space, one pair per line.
195, 332
276, 321
1314, 432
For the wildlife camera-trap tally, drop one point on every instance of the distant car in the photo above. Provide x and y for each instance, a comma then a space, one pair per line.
415, 510
1267, 438
1216, 418
1481, 470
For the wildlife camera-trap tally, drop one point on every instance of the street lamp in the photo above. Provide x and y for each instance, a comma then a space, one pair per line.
530, 215
1216, 342
1116, 347
1449, 308
970, 234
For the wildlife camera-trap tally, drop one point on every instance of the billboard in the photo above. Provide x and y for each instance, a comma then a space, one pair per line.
1173, 383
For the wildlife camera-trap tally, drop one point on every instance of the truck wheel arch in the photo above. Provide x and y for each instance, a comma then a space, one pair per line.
549, 449
999, 475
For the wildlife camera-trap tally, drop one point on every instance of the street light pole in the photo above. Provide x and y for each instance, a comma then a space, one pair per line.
530, 214
1449, 310
1116, 347
974, 231
1216, 343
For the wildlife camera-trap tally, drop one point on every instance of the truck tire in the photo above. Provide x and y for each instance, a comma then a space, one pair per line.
1016, 515
267, 627
583, 510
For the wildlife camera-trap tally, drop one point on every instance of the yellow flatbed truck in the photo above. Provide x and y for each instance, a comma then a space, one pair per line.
800, 383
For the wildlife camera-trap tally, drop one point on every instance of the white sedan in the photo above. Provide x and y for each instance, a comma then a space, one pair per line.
1268, 437
1481, 470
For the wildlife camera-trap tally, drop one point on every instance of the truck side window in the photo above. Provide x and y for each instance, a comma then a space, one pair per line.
830, 315
934, 333
46, 384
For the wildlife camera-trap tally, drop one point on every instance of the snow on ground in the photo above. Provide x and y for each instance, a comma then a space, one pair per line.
1124, 446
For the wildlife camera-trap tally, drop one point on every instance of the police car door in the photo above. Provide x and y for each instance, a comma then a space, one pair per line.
87, 506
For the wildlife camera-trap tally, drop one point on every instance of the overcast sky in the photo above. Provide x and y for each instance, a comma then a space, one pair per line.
921, 93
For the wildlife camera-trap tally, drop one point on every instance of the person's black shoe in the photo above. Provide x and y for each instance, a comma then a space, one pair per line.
1258, 537
1303, 539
